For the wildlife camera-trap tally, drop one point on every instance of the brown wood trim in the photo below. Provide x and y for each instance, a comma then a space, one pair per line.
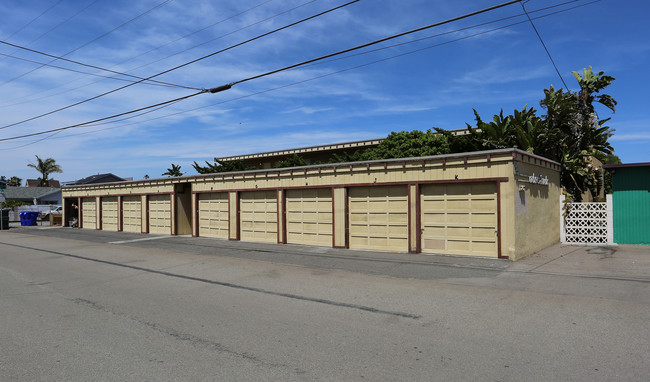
120, 210
146, 213
206, 177
112, 195
499, 233
348, 185
282, 239
418, 220
333, 220
278, 213
196, 229
408, 218
98, 223
238, 215
229, 225
173, 216
80, 214
347, 219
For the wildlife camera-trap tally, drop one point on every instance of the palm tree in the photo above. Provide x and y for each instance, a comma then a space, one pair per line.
45, 167
175, 170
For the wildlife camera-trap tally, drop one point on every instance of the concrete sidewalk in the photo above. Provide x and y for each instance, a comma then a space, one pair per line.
624, 262
619, 262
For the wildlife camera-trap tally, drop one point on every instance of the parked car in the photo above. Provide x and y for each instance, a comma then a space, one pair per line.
45, 215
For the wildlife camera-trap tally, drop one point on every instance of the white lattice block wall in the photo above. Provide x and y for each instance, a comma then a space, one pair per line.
585, 223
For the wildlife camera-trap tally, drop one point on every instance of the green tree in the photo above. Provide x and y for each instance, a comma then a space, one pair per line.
219, 166
292, 161
407, 144
518, 130
577, 131
14, 181
45, 167
174, 171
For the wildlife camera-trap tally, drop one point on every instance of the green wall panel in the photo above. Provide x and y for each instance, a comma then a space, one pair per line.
632, 205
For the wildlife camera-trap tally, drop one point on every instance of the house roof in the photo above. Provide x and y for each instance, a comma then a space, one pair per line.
310, 149
99, 178
644, 164
37, 183
29, 193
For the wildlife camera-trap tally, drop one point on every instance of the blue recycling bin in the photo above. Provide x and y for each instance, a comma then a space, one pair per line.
28, 218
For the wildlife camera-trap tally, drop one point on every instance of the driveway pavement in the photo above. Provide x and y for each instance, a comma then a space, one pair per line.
79, 305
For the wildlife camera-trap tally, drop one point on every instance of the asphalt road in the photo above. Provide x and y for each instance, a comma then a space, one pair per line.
75, 307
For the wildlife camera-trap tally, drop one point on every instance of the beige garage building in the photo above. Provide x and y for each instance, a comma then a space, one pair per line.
500, 203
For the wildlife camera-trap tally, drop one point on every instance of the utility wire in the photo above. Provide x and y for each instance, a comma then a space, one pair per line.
156, 83
224, 35
33, 20
544, 45
129, 59
94, 40
205, 28
213, 90
104, 118
377, 41
94, 123
57, 25
61, 58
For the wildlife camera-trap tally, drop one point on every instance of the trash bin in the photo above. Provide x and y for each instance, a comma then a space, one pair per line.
28, 218
4, 215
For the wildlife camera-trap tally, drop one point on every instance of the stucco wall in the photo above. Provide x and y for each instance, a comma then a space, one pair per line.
528, 220
536, 208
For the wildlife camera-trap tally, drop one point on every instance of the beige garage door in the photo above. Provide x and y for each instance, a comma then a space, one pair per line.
109, 213
259, 216
379, 218
459, 219
132, 214
309, 216
213, 215
160, 214
89, 213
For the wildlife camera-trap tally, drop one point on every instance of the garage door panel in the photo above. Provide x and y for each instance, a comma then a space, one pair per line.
456, 218
160, 214
213, 215
132, 214
309, 216
458, 245
109, 214
459, 219
258, 216
89, 212
378, 218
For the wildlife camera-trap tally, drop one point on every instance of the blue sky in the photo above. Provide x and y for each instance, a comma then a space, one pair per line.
418, 85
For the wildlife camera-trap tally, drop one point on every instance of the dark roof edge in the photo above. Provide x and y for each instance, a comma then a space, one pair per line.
640, 164
297, 150
183, 179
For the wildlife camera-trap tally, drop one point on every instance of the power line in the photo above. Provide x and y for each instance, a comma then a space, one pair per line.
57, 25
377, 41
61, 58
151, 50
104, 118
380, 60
544, 45
327, 74
165, 104
183, 65
93, 40
33, 20
224, 35
156, 83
